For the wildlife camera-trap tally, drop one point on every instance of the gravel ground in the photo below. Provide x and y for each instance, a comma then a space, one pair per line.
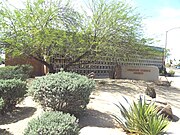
97, 119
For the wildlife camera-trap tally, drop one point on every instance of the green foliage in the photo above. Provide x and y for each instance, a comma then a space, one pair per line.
171, 72
167, 53
53, 123
41, 29
168, 65
12, 91
141, 118
25, 69
1, 60
63, 91
18, 72
46, 28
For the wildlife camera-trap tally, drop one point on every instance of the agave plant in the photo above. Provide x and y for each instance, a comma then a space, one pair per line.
141, 118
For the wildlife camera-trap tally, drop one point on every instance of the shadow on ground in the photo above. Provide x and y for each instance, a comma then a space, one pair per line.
94, 118
4, 132
169, 94
134, 87
175, 118
19, 113
127, 87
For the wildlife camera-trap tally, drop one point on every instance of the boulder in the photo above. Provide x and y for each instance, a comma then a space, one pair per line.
165, 110
163, 83
162, 107
91, 75
150, 91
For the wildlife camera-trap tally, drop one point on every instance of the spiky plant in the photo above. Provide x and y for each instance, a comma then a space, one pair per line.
141, 118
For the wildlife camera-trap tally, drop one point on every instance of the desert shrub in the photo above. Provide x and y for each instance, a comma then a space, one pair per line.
141, 118
12, 91
168, 65
63, 91
19, 72
25, 69
53, 123
171, 73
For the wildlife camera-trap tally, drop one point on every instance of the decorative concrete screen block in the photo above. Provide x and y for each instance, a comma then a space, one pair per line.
147, 73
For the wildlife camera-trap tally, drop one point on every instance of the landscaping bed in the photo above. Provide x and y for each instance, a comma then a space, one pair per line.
97, 118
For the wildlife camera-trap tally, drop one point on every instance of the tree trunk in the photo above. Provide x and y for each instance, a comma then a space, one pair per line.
50, 68
76, 60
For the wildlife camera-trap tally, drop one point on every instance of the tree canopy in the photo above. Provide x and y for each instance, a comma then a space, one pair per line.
44, 28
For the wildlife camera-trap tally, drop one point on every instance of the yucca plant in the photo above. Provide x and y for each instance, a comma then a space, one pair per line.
141, 118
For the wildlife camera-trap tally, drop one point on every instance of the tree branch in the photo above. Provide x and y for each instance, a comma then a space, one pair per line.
77, 59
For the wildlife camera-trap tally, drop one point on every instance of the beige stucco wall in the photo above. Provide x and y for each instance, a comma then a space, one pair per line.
147, 73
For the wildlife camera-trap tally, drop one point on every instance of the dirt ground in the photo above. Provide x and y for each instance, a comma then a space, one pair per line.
97, 119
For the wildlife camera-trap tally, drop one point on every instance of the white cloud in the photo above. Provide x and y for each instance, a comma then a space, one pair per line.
167, 19
170, 12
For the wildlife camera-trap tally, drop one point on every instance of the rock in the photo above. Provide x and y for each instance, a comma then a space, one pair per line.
91, 75
150, 91
162, 107
164, 83
102, 82
165, 110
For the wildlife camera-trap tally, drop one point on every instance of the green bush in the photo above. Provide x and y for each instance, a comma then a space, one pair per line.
141, 118
19, 72
171, 72
25, 69
63, 91
168, 65
12, 91
53, 123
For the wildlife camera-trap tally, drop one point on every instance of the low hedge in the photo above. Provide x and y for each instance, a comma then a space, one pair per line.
12, 91
63, 91
53, 123
19, 72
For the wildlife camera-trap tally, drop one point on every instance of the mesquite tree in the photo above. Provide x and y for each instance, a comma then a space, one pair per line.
44, 28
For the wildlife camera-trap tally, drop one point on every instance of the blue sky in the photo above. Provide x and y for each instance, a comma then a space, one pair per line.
161, 16
153, 8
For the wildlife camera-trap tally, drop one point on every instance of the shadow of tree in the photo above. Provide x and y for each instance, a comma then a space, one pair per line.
169, 94
175, 118
96, 118
134, 87
19, 113
4, 132
129, 89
